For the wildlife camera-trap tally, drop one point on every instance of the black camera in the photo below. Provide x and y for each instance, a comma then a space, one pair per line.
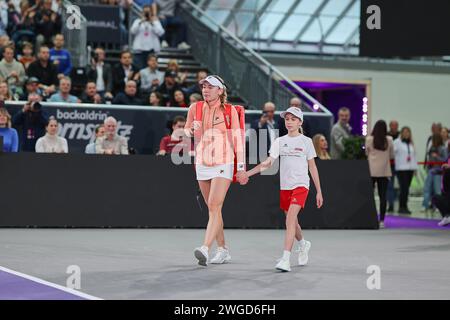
147, 15
35, 106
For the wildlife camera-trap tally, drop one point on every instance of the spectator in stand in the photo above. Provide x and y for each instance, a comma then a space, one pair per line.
12, 71
321, 146
297, 103
405, 165
111, 142
63, 95
60, 57
432, 185
10, 137
99, 132
101, 73
51, 142
5, 93
26, 29
45, 71
175, 142
124, 71
176, 34
180, 100
32, 86
168, 88
195, 97
27, 56
266, 128
391, 190
442, 201
196, 88
90, 95
32, 120
156, 99
340, 131
13, 17
129, 97
380, 150
146, 31
151, 77
172, 65
48, 24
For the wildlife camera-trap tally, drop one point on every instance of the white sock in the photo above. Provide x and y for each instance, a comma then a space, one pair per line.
205, 248
302, 242
286, 255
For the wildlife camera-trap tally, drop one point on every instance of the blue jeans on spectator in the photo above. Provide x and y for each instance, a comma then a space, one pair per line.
431, 187
391, 192
178, 35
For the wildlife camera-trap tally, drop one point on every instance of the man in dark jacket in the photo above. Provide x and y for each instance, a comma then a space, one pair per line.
45, 71
123, 72
32, 121
129, 97
90, 94
101, 74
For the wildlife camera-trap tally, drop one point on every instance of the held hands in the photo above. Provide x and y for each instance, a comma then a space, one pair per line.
242, 177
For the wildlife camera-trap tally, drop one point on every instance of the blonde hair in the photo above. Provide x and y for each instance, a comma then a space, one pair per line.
173, 62
323, 155
8, 92
223, 97
5, 113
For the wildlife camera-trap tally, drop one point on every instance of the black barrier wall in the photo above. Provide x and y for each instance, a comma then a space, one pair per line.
53, 190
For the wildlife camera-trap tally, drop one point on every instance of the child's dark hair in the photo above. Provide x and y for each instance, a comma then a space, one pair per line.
178, 119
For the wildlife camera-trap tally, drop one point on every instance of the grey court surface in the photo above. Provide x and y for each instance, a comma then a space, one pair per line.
159, 263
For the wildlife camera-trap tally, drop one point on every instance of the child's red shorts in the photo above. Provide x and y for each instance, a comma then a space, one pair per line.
296, 196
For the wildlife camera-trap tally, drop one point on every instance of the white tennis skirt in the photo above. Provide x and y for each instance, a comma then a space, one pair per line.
219, 171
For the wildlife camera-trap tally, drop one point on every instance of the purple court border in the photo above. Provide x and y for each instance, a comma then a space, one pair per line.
18, 286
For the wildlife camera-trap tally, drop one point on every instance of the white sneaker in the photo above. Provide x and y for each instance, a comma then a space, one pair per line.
381, 225
283, 265
201, 254
222, 256
164, 44
303, 253
184, 46
444, 221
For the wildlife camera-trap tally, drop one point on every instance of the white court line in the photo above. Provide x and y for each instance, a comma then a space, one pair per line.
50, 284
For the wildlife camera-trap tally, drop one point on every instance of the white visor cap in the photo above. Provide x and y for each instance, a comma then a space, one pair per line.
212, 81
295, 111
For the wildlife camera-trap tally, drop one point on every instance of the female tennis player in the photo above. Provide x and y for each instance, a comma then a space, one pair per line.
218, 140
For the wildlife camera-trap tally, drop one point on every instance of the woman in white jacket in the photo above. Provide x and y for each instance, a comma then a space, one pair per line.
146, 31
51, 142
405, 165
